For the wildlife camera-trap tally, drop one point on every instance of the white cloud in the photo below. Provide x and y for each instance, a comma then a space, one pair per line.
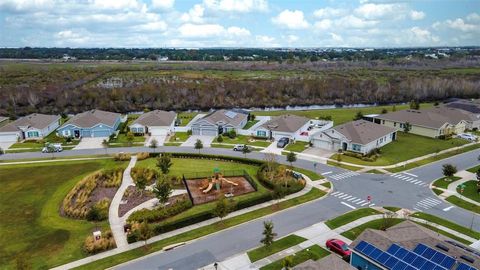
372, 11
419, 36
163, 4
26, 5
152, 26
417, 15
116, 4
291, 19
460, 24
324, 24
241, 6
336, 38
72, 37
211, 30
195, 14
351, 21
473, 17
329, 12
292, 38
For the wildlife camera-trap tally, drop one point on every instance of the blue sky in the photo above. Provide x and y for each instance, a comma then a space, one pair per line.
239, 23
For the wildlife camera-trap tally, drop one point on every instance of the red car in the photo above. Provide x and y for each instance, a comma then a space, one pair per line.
339, 247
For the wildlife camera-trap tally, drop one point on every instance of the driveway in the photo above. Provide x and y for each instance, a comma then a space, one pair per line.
206, 140
318, 152
272, 148
90, 143
160, 140
6, 145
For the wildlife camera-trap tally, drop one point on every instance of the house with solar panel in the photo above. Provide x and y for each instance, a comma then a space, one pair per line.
220, 122
409, 246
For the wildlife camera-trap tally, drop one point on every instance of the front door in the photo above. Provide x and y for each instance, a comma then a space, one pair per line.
344, 146
76, 133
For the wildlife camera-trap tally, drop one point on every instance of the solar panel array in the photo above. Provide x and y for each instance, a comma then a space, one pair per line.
399, 258
463, 266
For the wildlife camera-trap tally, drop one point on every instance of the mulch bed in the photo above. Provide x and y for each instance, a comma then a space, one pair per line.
199, 197
133, 198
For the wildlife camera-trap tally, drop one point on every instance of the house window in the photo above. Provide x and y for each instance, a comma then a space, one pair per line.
261, 133
383, 122
139, 130
66, 133
394, 124
32, 134
356, 147
381, 140
401, 125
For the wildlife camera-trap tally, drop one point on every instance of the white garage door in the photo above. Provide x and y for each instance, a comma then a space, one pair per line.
155, 131
322, 144
204, 131
8, 138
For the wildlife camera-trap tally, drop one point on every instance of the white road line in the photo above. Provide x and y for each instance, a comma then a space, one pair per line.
343, 196
416, 182
353, 198
325, 173
356, 200
348, 205
362, 201
417, 209
371, 205
348, 197
363, 204
410, 180
432, 200
411, 174
419, 183
339, 194
448, 208
336, 192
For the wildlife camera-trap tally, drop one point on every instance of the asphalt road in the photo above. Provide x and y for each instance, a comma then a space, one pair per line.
408, 190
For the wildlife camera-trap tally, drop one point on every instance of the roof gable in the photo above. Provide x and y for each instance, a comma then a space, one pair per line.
156, 118
363, 132
92, 118
285, 123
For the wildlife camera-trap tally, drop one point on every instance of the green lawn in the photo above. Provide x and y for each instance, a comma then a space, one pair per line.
350, 216
343, 166
464, 204
433, 159
392, 208
51, 138
202, 231
374, 171
474, 169
327, 185
374, 224
29, 206
122, 139
250, 124
447, 224
278, 245
395, 151
310, 174
241, 139
298, 146
186, 117
179, 137
340, 115
470, 190
459, 239
445, 181
314, 252
437, 191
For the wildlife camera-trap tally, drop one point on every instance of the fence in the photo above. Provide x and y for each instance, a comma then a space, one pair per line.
188, 189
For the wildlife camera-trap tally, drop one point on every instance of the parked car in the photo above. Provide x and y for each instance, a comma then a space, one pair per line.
466, 136
339, 247
52, 148
283, 142
239, 147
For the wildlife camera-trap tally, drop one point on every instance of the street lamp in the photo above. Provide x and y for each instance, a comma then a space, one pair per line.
215, 265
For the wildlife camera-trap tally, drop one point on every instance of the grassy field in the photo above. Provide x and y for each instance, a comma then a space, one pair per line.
474, 169
470, 190
121, 139
343, 166
241, 139
327, 185
448, 224
179, 137
340, 115
350, 216
314, 252
433, 159
196, 233
437, 191
51, 138
392, 208
250, 124
310, 174
186, 117
278, 245
445, 181
29, 206
297, 146
374, 171
378, 224
396, 151
456, 200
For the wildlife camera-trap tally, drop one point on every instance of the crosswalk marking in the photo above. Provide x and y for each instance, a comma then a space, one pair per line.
344, 175
352, 200
409, 178
326, 173
427, 203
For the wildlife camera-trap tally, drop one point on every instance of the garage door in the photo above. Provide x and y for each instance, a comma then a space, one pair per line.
322, 144
8, 138
158, 131
208, 132
101, 133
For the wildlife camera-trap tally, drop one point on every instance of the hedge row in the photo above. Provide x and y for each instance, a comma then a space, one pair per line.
160, 213
212, 157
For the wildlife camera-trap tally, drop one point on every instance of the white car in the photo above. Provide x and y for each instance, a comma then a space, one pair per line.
467, 136
52, 148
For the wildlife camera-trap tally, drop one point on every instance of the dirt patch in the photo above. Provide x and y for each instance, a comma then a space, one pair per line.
198, 186
133, 197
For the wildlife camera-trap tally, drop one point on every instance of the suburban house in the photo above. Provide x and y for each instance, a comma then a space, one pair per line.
93, 123
155, 123
290, 126
430, 122
408, 245
3, 119
219, 122
470, 108
359, 136
31, 127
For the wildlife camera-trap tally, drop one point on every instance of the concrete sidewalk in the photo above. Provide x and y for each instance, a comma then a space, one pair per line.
451, 190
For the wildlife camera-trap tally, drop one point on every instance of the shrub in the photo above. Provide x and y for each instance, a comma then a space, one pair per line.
280, 177
149, 174
220, 138
143, 155
232, 134
122, 156
92, 246
160, 213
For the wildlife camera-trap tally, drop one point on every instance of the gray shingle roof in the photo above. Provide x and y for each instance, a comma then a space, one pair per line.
408, 234
35, 120
427, 118
362, 131
225, 116
286, 123
156, 118
331, 262
93, 117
